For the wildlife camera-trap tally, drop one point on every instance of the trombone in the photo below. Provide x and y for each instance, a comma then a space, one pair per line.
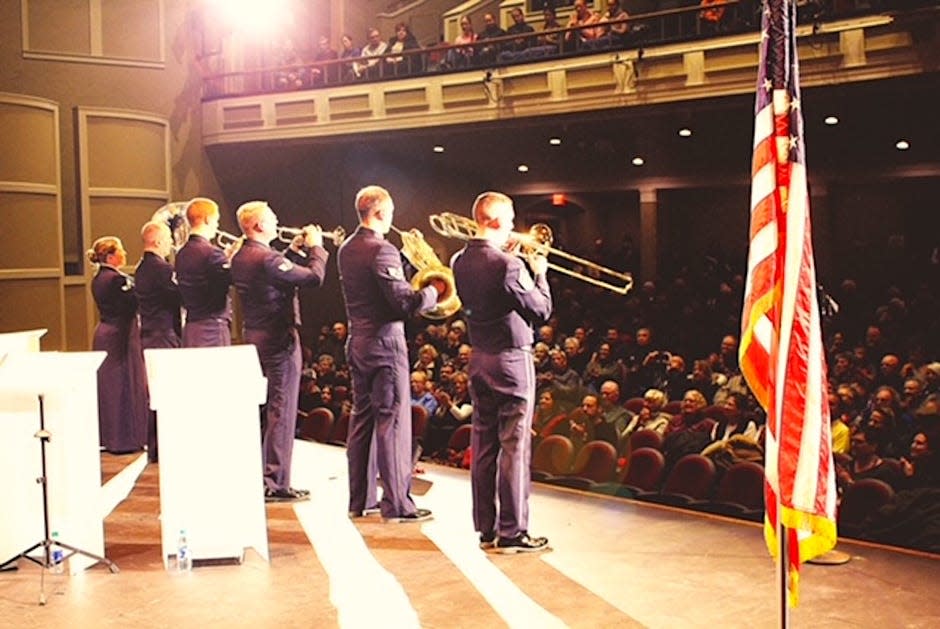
287, 234
539, 240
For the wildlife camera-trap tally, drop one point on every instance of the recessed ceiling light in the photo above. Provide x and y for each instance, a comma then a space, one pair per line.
438, 149
523, 168
638, 161
685, 132
831, 120
902, 145
554, 141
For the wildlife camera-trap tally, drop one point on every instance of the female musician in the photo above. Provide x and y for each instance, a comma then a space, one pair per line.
122, 389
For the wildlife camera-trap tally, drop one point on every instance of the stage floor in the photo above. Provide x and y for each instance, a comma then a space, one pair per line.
614, 563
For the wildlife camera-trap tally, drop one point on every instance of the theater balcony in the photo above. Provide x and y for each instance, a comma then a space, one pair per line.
666, 61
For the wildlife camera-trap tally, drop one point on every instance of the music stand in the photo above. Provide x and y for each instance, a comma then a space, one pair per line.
47, 542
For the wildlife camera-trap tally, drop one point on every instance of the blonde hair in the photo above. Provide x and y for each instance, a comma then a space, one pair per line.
369, 199
249, 214
102, 248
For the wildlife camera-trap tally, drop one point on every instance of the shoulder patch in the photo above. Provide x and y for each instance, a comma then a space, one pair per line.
525, 281
396, 273
285, 265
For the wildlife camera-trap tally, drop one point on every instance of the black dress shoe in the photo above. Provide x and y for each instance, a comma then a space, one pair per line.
487, 541
521, 544
420, 515
286, 495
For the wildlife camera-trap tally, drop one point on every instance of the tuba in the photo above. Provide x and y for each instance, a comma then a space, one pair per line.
174, 215
422, 257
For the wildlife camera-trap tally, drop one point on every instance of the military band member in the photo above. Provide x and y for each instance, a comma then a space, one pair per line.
202, 270
122, 388
502, 302
158, 299
267, 283
378, 300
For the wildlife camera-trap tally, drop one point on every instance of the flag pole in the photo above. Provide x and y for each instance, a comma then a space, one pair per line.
783, 573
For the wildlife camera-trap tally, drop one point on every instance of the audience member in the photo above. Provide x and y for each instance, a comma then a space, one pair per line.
404, 65
369, 68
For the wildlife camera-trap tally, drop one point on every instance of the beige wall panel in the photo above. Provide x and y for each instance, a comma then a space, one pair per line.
122, 218
59, 26
33, 303
77, 297
125, 153
29, 232
27, 144
131, 29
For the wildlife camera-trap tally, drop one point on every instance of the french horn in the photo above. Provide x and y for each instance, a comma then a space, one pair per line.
422, 257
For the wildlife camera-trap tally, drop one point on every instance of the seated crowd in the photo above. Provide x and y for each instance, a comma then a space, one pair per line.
586, 31
665, 361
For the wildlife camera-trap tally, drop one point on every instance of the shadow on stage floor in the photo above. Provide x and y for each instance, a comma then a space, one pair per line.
614, 563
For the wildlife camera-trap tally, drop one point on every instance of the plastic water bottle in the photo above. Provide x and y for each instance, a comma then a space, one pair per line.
184, 560
57, 555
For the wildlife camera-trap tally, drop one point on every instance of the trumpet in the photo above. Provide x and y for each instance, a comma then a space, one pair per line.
422, 257
538, 240
287, 234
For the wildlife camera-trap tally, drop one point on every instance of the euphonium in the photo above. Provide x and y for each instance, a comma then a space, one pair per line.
422, 257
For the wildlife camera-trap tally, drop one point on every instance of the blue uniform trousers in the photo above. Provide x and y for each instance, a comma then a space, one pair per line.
381, 414
502, 388
281, 366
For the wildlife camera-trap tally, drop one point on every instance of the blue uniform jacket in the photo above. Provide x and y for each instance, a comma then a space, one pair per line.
158, 296
378, 297
114, 295
501, 310
203, 274
267, 282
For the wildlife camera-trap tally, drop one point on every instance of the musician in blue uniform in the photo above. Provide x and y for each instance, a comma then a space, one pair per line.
158, 301
502, 301
267, 283
122, 388
378, 300
202, 270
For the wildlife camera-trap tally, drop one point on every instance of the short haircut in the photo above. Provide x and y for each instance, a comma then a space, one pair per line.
486, 205
151, 232
249, 214
200, 210
370, 199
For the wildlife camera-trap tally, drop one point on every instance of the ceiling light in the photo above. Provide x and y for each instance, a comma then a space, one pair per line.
831, 120
523, 168
685, 132
902, 145
638, 161
554, 141
438, 149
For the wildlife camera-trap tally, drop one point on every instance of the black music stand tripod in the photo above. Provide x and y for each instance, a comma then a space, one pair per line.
47, 542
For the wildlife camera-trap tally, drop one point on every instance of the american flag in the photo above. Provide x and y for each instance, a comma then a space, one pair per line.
781, 352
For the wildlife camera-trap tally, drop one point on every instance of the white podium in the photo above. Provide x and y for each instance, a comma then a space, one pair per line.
68, 383
209, 437
25, 341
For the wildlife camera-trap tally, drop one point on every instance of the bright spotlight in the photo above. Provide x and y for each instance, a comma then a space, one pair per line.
902, 145
555, 141
253, 17
638, 161
685, 132
438, 149
523, 168
831, 120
